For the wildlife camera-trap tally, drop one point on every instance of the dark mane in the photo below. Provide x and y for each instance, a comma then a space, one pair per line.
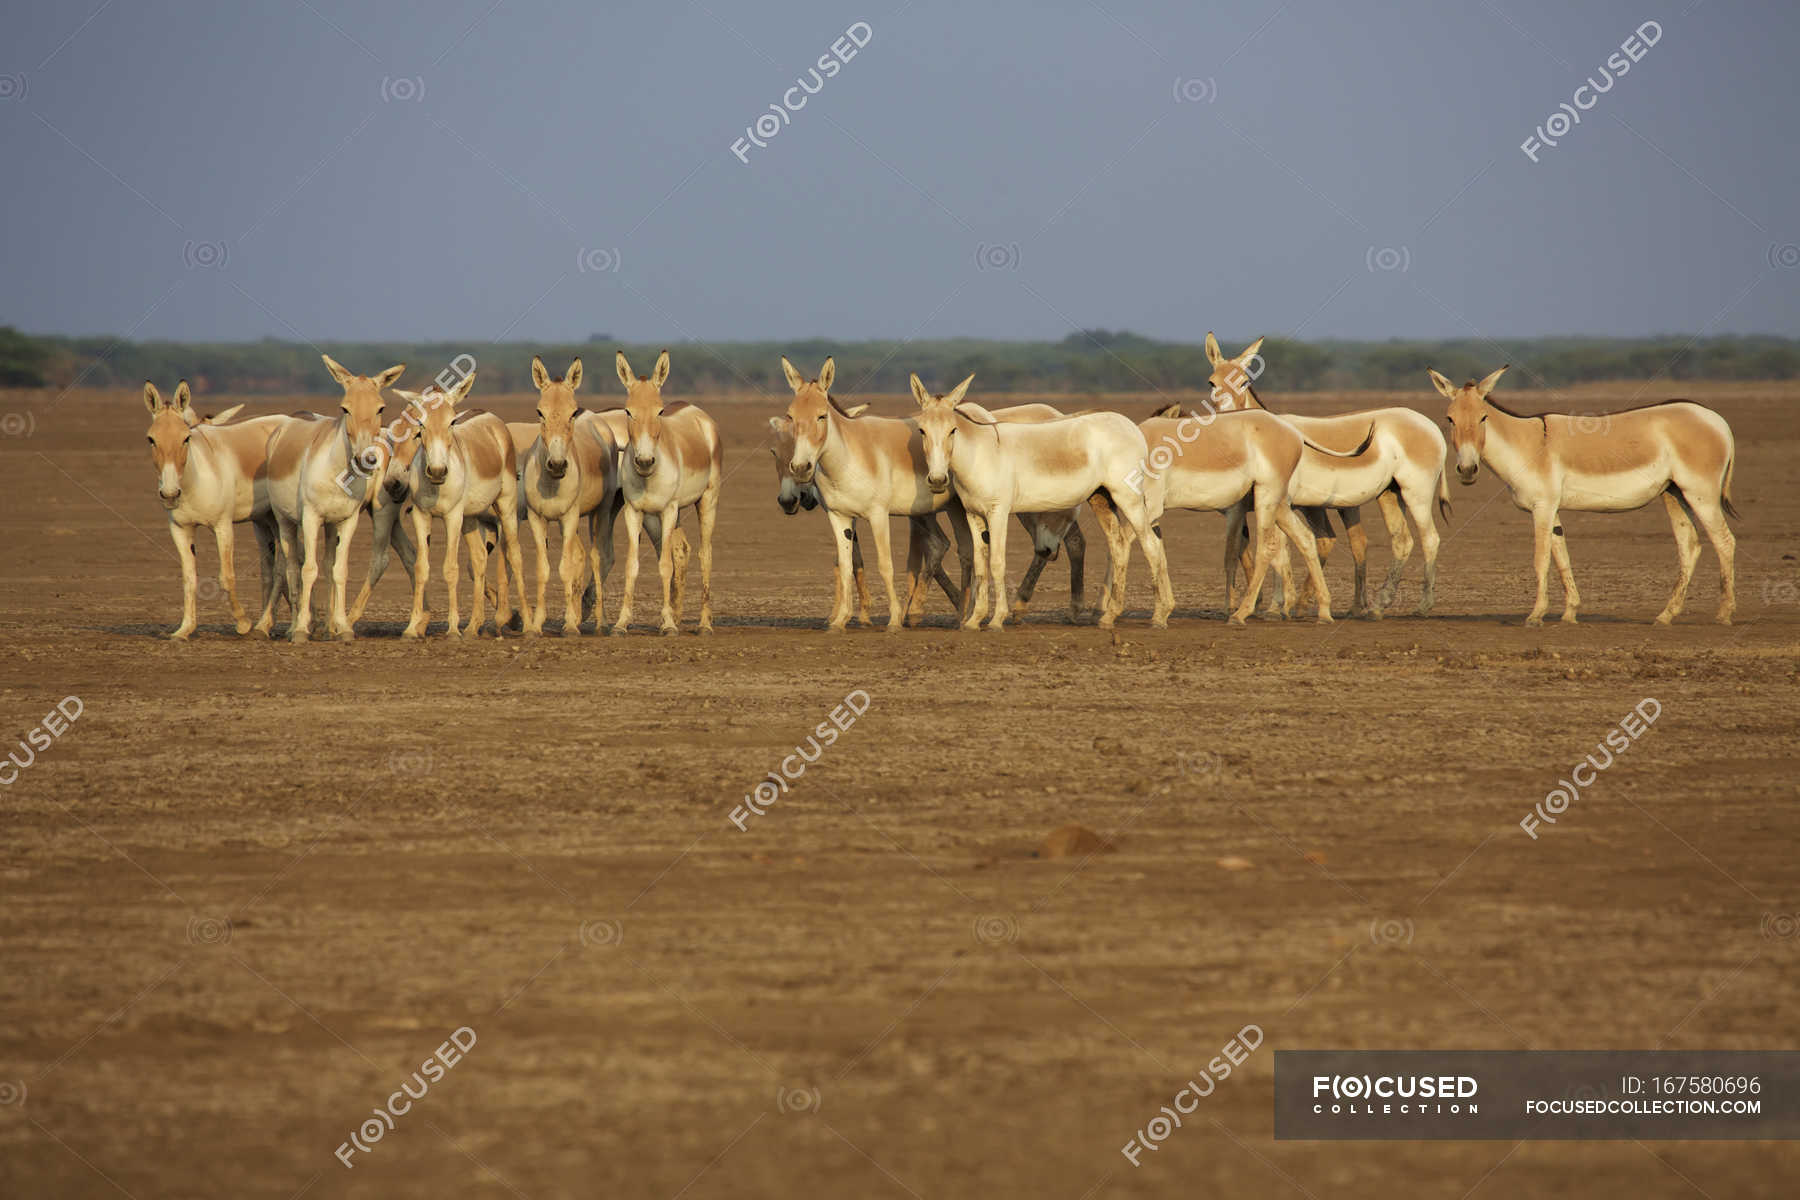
838, 406
1609, 413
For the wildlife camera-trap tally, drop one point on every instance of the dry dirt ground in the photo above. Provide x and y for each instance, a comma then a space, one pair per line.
255, 885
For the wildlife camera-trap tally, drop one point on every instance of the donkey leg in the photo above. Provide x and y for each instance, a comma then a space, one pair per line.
1543, 520
265, 552
540, 535
415, 625
1712, 519
1687, 550
709, 517
340, 582
1118, 550
881, 532
301, 628
843, 545
1419, 504
1268, 537
978, 535
1076, 543
1359, 559
665, 568
225, 536
1559, 550
1400, 542
475, 542
183, 537
571, 571
1297, 532
634, 528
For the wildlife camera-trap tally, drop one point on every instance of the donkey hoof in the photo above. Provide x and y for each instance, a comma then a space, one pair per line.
298, 636
1534, 622
180, 635
705, 630
669, 630
243, 627
1568, 618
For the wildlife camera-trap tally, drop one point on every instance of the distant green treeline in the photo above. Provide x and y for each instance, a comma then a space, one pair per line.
1094, 360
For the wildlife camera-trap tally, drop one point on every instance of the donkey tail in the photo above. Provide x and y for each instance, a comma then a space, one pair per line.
1725, 486
1368, 440
1443, 496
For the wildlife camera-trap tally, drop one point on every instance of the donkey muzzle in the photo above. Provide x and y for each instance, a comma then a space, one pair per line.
789, 504
556, 468
437, 474
1467, 474
642, 465
169, 499
939, 484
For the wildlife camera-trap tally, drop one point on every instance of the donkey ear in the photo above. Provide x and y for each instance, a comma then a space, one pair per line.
827, 373
461, 391
390, 376
624, 369
958, 392
1442, 384
794, 379
1214, 355
573, 378
856, 410
152, 398
338, 371
660, 375
1250, 351
1168, 410
777, 426
409, 397
221, 418
539, 376
184, 399
1487, 385
920, 394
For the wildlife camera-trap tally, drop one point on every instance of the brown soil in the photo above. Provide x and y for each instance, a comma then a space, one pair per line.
255, 885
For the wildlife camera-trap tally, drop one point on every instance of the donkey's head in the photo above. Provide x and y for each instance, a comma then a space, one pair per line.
169, 434
1467, 415
435, 411
809, 417
1231, 377
793, 494
362, 402
937, 423
643, 412
557, 409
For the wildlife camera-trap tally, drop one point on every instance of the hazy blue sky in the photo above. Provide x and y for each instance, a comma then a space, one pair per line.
368, 170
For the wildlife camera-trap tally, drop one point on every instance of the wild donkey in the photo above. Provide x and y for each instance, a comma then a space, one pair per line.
997, 469
674, 456
321, 475
461, 465
571, 471
869, 467
792, 495
1409, 469
213, 475
1607, 462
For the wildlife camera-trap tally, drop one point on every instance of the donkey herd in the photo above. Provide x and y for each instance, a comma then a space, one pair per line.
302, 480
